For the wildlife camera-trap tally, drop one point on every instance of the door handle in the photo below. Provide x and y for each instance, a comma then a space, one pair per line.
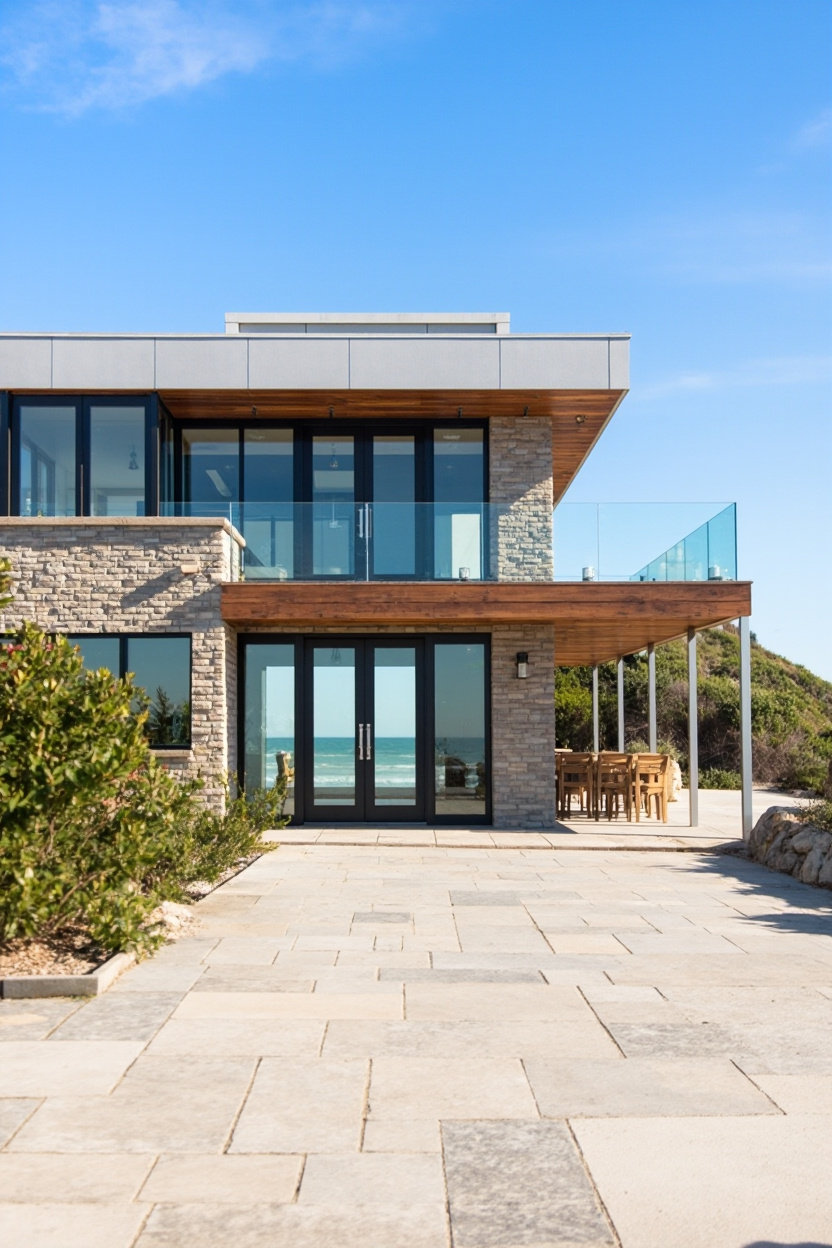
369, 742
360, 521
361, 741
369, 522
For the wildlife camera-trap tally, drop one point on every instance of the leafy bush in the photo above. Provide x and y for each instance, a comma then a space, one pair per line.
93, 831
719, 778
818, 813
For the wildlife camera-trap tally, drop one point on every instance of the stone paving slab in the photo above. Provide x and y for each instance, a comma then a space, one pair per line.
584, 1029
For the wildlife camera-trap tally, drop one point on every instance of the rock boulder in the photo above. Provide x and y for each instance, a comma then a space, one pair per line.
786, 843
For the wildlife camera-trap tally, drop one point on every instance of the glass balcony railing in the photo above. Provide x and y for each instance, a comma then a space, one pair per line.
619, 541
367, 541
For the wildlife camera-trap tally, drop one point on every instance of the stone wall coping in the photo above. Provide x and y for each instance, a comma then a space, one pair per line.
126, 522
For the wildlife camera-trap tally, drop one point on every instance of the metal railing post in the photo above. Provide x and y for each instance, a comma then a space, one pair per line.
596, 725
745, 727
620, 675
651, 698
693, 730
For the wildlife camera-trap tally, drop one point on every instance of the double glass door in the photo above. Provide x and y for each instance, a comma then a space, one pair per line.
364, 730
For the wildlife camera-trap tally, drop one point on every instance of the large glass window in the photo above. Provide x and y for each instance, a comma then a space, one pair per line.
458, 491
269, 730
394, 509
268, 511
117, 468
211, 470
161, 668
461, 782
333, 506
48, 460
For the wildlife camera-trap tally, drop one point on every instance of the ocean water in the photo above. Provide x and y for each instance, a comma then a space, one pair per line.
395, 759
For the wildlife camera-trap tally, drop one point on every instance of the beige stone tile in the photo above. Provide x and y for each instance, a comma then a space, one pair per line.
702, 1182
148, 977
419, 1135
239, 1037
701, 969
374, 958
303, 1106
493, 1002
294, 1226
643, 1087
501, 940
307, 965
290, 1005
61, 1067
254, 950
372, 1179
582, 1038
70, 1226
27, 1178
226, 1179
405, 1088
799, 1094
585, 942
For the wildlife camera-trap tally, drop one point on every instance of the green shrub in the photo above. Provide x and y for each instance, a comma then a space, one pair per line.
719, 778
94, 832
818, 813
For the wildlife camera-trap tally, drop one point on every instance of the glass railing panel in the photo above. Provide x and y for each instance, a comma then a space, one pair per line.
644, 541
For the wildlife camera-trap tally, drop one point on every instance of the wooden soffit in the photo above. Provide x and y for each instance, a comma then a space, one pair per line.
593, 623
578, 416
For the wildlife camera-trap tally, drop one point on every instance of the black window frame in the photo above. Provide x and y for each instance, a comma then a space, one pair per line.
123, 639
424, 748
82, 404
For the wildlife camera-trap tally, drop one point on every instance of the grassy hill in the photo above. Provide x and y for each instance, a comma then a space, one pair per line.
791, 711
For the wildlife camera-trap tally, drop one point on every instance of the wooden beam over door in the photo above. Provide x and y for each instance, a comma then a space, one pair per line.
593, 622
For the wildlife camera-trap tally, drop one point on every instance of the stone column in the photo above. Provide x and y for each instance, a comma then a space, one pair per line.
520, 459
523, 727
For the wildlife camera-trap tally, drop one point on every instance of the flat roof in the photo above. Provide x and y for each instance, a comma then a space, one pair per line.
374, 322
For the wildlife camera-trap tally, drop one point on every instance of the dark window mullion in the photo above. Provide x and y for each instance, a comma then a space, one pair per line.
82, 458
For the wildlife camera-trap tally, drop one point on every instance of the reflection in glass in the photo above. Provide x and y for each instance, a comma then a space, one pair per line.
394, 729
394, 513
117, 460
47, 461
333, 506
459, 746
97, 652
161, 666
333, 726
267, 515
211, 471
269, 732
459, 492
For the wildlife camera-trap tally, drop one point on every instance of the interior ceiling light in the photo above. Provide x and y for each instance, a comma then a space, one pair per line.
133, 464
333, 462
580, 418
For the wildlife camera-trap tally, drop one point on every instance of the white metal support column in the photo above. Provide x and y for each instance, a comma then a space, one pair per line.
651, 697
596, 722
745, 726
693, 730
620, 675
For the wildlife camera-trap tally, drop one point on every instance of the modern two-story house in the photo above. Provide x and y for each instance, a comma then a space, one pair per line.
323, 544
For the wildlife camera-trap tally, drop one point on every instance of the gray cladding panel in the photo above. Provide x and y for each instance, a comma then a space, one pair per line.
559, 364
428, 364
219, 363
619, 364
25, 362
299, 364
102, 363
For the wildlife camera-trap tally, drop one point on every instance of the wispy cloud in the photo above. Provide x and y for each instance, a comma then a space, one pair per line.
70, 56
816, 133
710, 248
787, 370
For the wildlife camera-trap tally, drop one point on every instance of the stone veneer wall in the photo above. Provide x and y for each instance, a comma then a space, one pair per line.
523, 727
520, 469
113, 575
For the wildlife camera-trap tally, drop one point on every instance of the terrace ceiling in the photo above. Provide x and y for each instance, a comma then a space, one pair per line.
593, 622
578, 416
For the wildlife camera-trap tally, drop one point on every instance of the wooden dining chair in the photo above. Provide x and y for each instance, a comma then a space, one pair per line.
649, 783
576, 778
614, 784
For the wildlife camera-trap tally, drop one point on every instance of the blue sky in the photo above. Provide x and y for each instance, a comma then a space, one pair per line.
662, 168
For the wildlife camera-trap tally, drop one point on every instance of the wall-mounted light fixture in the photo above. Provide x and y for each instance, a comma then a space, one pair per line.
254, 411
526, 410
465, 574
522, 665
190, 567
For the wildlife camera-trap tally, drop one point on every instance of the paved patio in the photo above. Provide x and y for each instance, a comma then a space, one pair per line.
412, 1047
